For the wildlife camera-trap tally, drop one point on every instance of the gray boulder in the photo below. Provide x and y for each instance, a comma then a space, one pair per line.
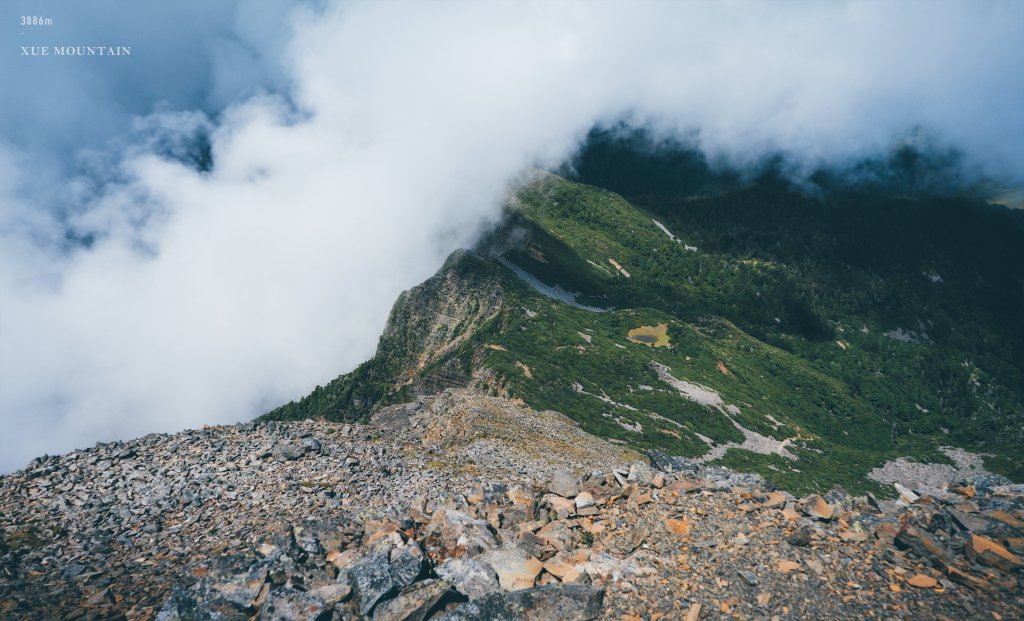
407, 563
372, 579
286, 604
469, 577
194, 605
667, 463
554, 602
563, 484
413, 603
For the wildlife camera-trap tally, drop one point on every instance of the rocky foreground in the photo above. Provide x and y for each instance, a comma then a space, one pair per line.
467, 507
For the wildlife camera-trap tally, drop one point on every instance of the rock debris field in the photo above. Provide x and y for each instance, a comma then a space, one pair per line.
465, 507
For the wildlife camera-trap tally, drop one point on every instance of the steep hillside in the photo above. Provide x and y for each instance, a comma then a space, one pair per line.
429, 344
700, 327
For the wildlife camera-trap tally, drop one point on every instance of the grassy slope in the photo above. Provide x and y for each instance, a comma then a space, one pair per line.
771, 312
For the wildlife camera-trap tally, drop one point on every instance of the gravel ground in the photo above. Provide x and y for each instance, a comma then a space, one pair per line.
286, 519
917, 474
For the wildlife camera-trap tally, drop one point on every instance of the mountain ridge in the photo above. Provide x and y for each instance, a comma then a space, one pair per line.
788, 345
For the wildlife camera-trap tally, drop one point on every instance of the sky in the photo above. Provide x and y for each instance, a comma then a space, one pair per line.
351, 146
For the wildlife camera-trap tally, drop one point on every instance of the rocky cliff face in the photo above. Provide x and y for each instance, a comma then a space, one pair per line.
421, 351
432, 320
465, 506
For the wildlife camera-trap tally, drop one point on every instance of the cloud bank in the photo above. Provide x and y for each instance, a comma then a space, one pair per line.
212, 226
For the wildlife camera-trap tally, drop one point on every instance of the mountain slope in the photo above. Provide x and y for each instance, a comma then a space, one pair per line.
475, 508
793, 352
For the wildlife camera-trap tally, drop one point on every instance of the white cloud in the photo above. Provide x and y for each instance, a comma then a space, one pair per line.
390, 140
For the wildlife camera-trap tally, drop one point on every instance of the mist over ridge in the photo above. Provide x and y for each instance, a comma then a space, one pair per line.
209, 229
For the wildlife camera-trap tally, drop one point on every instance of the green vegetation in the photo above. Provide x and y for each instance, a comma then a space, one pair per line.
855, 328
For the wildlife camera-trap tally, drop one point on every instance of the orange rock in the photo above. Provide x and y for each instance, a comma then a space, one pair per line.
594, 528
677, 526
886, 532
786, 567
922, 543
966, 492
516, 570
922, 581
264, 591
1006, 518
559, 569
563, 507
682, 487
376, 530
994, 554
494, 515
895, 588
790, 513
1016, 544
775, 499
556, 534
966, 579
692, 612
341, 560
520, 498
815, 506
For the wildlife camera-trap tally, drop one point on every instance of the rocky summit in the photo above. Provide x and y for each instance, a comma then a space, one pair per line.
470, 507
